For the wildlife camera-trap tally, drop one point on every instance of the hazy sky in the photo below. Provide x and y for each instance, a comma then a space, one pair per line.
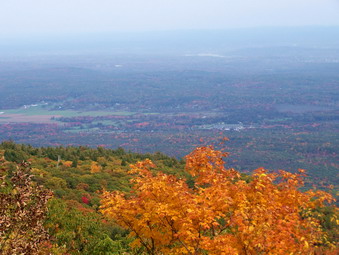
68, 16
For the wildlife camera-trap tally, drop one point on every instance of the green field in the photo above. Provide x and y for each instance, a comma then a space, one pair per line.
38, 114
38, 110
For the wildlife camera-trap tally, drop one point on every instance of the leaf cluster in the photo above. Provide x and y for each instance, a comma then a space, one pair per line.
222, 213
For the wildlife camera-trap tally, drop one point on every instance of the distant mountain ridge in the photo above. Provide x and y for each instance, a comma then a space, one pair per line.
159, 42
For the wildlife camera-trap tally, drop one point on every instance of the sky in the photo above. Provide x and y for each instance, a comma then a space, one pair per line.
25, 17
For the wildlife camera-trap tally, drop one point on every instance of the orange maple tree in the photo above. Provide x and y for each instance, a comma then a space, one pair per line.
222, 213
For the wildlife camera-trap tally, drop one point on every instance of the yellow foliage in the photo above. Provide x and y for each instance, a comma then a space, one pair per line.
67, 163
39, 172
222, 214
95, 168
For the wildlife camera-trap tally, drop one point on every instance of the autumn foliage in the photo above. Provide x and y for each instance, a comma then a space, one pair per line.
23, 209
221, 213
95, 168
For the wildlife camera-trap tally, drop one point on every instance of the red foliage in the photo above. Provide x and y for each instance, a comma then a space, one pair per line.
85, 200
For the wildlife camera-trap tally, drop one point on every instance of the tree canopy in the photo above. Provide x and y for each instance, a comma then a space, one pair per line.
23, 209
221, 213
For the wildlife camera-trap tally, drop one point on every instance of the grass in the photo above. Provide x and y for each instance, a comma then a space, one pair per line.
38, 110
79, 130
106, 122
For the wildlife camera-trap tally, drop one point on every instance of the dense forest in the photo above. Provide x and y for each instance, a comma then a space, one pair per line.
81, 200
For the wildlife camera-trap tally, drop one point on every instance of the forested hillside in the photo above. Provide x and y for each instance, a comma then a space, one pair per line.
60, 202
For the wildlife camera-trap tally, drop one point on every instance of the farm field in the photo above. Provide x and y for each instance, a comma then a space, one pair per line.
39, 114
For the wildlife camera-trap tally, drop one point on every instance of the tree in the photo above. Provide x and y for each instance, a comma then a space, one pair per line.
95, 168
15, 155
23, 208
222, 213
78, 232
